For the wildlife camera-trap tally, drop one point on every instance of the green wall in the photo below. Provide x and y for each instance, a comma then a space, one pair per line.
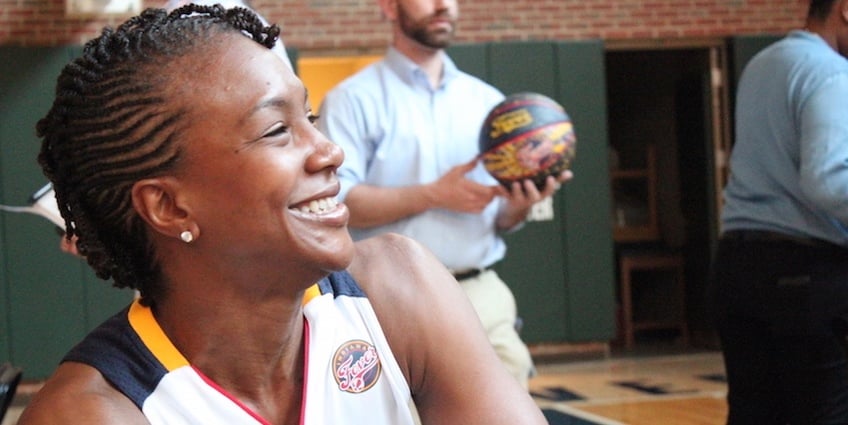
48, 299
561, 270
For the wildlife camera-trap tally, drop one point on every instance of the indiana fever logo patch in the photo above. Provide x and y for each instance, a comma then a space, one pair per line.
356, 366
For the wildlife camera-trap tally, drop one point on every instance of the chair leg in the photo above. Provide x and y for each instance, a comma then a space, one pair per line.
662, 263
627, 304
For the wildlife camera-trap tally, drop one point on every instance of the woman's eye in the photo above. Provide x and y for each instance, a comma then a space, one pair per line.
276, 130
313, 118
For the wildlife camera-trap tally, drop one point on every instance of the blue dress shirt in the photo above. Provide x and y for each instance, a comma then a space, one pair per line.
396, 130
789, 166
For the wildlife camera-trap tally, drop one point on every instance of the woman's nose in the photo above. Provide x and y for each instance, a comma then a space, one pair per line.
325, 153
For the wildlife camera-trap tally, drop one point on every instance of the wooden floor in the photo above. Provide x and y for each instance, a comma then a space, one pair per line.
679, 389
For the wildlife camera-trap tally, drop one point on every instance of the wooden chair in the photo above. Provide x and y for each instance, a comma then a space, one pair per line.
654, 261
10, 377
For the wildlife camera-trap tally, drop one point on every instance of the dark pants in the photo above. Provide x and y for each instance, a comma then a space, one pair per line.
780, 309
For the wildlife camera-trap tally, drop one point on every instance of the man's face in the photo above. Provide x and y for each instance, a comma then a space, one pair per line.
431, 23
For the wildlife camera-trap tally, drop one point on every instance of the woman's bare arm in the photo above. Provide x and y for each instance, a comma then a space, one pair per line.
454, 374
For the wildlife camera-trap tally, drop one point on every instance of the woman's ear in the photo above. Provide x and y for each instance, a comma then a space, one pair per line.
157, 202
843, 10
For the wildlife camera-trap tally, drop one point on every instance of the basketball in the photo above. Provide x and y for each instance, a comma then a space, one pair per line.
527, 136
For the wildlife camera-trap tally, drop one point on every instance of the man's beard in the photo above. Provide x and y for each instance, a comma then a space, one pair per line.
418, 31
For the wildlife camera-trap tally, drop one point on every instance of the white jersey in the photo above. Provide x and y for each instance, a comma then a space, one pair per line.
351, 376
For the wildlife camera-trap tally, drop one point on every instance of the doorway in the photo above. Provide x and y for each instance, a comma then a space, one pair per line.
671, 100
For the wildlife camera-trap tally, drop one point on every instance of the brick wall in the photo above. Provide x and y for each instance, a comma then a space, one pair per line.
332, 26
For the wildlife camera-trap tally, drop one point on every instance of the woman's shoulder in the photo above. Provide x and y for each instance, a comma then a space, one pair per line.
390, 252
78, 393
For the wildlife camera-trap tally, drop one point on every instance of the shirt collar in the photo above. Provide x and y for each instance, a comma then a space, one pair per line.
809, 35
411, 73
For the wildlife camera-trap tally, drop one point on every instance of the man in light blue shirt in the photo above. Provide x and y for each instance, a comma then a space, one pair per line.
409, 126
780, 275
790, 161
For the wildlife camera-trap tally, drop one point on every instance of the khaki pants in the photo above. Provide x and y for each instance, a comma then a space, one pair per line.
495, 305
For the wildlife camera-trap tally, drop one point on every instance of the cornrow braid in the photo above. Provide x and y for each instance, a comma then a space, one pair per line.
109, 126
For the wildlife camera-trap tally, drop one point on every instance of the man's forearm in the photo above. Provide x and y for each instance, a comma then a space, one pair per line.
372, 206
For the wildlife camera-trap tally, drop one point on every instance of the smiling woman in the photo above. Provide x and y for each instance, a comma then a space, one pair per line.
185, 159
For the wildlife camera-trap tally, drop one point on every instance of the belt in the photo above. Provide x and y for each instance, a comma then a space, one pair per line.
468, 274
767, 236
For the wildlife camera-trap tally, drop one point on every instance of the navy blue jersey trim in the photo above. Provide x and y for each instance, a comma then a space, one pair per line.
340, 283
115, 350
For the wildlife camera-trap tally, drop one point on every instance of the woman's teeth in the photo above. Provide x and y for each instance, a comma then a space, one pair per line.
319, 206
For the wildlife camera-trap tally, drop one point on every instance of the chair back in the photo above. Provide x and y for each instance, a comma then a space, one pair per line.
10, 377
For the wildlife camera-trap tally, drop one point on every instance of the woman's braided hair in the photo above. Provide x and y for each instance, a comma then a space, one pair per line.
109, 126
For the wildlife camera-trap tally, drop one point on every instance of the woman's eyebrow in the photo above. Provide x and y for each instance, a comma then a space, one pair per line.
277, 102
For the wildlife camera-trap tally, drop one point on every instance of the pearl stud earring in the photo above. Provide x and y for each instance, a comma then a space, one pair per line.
186, 236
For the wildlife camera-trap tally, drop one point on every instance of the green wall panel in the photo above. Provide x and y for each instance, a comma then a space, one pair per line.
293, 55
52, 298
560, 270
472, 58
587, 241
534, 265
533, 268
523, 66
5, 325
40, 298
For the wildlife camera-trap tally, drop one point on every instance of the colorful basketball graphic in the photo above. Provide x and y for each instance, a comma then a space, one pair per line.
527, 136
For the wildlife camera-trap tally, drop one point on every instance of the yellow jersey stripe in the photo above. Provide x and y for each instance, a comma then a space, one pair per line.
311, 293
142, 321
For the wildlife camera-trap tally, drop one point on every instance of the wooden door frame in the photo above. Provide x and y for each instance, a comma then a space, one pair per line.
719, 109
